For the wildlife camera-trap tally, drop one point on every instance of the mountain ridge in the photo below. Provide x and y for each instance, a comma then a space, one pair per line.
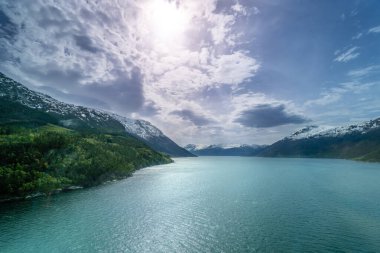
355, 141
224, 149
326, 131
84, 118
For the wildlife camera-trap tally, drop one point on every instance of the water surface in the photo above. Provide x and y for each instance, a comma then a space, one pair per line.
209, 204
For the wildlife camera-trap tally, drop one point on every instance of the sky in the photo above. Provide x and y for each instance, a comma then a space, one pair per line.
203, 71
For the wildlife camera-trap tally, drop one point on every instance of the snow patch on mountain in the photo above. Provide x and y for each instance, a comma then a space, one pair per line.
196, 147
141, 128
328, 131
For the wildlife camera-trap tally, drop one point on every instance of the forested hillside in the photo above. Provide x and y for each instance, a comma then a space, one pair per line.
48, 157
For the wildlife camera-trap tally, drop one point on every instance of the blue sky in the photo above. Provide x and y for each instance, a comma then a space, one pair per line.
202, 71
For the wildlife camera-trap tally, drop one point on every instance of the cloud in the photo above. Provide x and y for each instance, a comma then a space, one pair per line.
58, 38
196, 119
256, 10
149, 109
334, 94
357, 36
237, 7
268, 115
85, 43
8, 29
348, 55
73, 98
233, 68
375, 29
325, 99
364, 72
124, 91
221, 28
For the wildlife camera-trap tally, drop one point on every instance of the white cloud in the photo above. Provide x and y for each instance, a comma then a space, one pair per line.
221, 26
325, 99
237, 7
348, 55
363, 72
129, 39
204, 56
375, 29
233, 68
256, 10
357, 36
334, 94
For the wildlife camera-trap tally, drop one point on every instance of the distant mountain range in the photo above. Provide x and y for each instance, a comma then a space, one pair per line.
224, 150
82, 118
357, 141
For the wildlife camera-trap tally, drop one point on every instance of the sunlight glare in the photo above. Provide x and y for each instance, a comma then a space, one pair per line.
167, 21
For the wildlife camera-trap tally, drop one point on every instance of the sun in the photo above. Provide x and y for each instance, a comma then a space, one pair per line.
167, 21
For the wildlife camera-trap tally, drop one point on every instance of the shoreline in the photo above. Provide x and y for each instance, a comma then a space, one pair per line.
69, 188
41, 194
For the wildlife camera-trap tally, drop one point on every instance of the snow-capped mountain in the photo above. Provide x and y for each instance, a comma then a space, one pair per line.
224, 149
195, 147
79, 117
326, 131
142, 128
356, 141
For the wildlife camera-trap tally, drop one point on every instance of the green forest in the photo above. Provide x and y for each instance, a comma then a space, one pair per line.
45, 157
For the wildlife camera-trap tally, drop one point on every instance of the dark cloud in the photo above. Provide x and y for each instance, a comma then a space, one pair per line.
8, 29
74, 98
50, 16
149, 109
98, 16
85, 43
57, 24
267, 115
191, 116
123, 93
55, 76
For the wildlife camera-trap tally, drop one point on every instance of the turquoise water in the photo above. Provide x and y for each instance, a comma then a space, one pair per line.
209, 204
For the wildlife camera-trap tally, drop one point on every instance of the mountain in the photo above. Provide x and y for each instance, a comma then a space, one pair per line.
83, 118
358, 141
224, 150
153, 136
